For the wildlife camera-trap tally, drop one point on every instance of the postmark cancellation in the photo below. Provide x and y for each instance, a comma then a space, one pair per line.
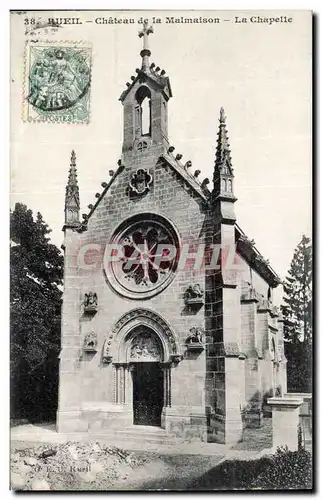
57, 82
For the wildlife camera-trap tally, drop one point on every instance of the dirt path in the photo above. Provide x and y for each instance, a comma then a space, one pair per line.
166, 472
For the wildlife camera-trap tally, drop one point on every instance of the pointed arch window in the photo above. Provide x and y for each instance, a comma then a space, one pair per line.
143, 112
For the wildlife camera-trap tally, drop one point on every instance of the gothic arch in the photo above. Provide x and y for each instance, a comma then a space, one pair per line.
127, 327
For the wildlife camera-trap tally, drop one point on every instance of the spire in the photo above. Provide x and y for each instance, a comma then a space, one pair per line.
223, 172
145, 52
223, 158
72, 195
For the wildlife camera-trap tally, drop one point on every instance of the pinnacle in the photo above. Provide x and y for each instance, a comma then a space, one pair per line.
72, 177
72, 190
223, 157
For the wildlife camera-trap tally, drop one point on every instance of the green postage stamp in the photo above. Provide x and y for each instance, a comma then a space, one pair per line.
57, 82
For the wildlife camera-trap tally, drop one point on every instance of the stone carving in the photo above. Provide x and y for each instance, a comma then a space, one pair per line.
250, 294
107, 357
278, 392
145, 348
194, 295
264, 304
176, 358
194, 341
90, 302
153, 318
231, 349
90, 342
140, 182
196, 335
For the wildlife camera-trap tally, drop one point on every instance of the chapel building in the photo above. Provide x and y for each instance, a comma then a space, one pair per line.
153, 333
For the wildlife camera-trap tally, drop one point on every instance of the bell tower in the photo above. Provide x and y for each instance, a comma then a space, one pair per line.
145, 103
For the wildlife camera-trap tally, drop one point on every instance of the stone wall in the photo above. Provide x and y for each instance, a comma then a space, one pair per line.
86, 380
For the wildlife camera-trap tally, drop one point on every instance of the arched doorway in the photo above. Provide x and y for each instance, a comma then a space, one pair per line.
143, 349
145, 354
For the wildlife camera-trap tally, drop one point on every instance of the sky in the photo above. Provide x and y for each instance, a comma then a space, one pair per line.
259, 73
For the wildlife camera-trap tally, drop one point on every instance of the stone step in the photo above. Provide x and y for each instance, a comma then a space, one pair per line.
138, 435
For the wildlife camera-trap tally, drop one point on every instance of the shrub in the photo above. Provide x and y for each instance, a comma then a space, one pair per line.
286, 470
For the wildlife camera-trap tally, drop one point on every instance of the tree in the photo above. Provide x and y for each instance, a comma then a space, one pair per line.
35, 300
297, 312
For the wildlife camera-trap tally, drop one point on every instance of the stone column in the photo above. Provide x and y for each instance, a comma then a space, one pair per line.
120, 384
166, 368
285, 413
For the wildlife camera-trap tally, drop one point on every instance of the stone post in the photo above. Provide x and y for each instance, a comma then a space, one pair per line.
285, 413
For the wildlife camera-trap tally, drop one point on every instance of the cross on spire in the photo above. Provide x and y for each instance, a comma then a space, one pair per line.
145, 32
145, 52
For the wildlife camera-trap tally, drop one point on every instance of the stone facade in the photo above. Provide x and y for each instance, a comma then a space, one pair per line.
213, 332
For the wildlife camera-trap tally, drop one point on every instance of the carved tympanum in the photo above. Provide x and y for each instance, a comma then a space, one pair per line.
145, 347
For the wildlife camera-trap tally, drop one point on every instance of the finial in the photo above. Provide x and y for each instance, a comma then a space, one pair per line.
73, 159
188, 164
222, 117
197, 173
178, 156
97, 195
145, 52
171, 149
111, 173
104, 185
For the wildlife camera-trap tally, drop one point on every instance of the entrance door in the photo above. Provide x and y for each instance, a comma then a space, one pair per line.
147, 394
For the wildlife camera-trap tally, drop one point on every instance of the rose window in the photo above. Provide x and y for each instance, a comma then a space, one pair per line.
148, 256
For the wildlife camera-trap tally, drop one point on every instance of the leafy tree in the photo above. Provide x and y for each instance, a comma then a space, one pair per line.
297, 312
35, 299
